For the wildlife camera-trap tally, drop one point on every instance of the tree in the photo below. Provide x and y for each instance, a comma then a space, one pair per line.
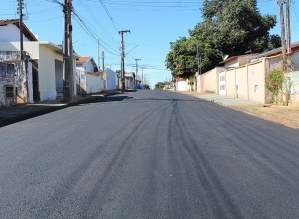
159, 86
182, 57
235, 27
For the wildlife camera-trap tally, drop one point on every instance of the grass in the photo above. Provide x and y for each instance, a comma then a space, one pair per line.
254, 109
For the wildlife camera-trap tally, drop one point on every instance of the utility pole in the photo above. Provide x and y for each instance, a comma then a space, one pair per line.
123, 57
283, 43
21, 27
71, 67
136, 86
103, 60
288, 25
99, 66
197, 60
68, 92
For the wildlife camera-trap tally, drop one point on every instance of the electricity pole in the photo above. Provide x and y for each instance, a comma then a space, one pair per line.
21, 27
68, 91
103, 59
288, 25
137, 71
99, 66
71, 67
123, 57
283, 43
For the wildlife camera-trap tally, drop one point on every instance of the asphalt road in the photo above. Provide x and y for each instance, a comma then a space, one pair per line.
148, 154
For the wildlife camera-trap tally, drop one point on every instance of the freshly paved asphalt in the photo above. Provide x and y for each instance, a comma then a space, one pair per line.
148, 154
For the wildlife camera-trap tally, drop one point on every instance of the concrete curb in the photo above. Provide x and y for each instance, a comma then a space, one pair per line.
49, 109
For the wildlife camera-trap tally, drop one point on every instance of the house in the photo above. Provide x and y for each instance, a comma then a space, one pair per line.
229, 63
88, 78
46, 58
130, 80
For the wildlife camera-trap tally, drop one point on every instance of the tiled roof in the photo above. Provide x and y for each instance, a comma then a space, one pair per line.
83, 59
26, 31
277, 50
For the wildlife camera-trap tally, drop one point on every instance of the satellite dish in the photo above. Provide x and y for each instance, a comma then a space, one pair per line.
225, 57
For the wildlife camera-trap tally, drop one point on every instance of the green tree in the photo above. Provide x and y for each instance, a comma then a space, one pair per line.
159, 86
235, 27
182, 57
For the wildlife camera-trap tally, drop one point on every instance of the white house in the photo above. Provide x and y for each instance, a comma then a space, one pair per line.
89, 80
47, 59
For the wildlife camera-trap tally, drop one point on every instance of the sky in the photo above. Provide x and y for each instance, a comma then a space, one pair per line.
153, 24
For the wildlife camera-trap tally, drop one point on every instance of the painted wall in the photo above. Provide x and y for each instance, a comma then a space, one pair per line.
111, 79
59, 75
294, 99
256, 82
230, 76
32, 48
94, 84
241, 82
211, 80
10, 33
46, 72
182, 86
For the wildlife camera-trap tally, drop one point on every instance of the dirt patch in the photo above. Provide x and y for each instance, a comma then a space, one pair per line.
285, 115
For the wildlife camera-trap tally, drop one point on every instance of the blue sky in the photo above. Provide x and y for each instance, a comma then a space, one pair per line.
153, 25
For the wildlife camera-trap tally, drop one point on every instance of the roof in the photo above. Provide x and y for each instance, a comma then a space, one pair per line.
234, 57
276, 51
26, 31
83, 59
55, 47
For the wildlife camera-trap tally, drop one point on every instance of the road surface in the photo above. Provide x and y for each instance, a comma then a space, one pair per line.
148, 154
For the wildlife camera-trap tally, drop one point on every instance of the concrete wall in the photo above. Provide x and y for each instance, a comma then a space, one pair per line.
112, 82
294, 91
59, 75
200, 83
241, 82
10, 33
211, 80
32, 48
256, 82
182, 86
46, 72
94, 84
230, 82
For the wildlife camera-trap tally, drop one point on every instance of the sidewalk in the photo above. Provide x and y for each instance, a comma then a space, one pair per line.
21, 112
285, 115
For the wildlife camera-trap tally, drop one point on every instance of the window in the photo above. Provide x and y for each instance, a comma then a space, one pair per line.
222, 87
256, 88
9, 91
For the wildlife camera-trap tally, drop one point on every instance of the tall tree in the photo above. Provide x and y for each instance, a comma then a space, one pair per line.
235, 26
182, 57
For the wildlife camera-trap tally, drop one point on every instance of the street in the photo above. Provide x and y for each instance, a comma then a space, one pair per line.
148, 154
